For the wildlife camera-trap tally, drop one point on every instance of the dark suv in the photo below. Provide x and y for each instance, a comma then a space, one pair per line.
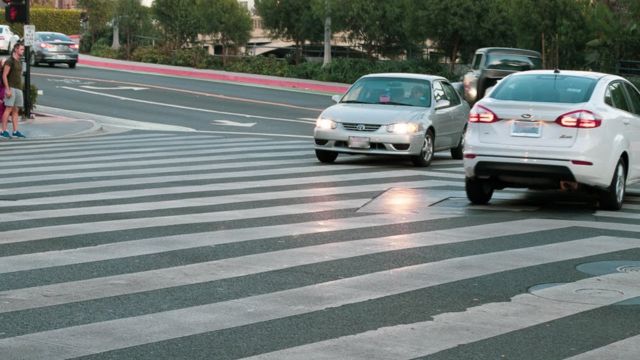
492, 64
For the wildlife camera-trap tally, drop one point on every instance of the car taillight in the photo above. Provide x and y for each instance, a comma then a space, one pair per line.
480, 114
73, 46
46, 46
583, 119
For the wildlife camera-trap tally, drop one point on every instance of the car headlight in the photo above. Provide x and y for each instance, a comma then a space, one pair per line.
326, 124
403, 128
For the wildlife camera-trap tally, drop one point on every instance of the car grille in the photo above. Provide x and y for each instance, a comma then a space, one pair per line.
360, 127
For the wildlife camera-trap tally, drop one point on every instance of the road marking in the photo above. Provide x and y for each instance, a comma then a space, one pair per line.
188, 108
231, 123
134, 88
524, 310
627, 349
198, 93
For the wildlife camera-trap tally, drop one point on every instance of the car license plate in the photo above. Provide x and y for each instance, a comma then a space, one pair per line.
359, 142
60, 57
526, 128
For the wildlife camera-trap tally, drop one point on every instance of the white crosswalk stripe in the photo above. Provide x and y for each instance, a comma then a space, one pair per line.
144, 245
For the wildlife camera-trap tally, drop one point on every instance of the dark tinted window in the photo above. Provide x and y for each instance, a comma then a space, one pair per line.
476, 61
618, 100
545, 88
513, 62
634, 96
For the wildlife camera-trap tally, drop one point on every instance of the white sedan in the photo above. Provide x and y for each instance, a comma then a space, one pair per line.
7, 38
402, 114
550, 129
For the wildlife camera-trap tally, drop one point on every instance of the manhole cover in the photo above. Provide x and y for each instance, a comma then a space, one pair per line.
609, 267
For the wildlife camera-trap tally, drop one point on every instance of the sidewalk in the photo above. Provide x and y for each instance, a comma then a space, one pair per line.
45, 124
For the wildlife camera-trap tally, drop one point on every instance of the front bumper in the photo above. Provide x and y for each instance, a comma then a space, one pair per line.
56, 57
379, 144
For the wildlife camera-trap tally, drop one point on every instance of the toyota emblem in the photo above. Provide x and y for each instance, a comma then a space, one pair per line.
526, 116
360, 127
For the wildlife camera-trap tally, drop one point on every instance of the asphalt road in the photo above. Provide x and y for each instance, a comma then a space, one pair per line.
198, 104
208, 245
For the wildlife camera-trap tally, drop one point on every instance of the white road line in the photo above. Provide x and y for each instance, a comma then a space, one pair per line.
46, 232
627, 349
117, 334
163, 161
124, 194
188, 108
475, 324
168, 152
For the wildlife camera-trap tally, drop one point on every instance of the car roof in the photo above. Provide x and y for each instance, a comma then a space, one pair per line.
587, 74
406, 76
487, 50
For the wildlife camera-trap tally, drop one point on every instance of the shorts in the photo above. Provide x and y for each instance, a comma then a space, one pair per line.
16, 98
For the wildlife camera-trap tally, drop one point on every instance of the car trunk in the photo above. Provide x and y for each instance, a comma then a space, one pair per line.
528, 124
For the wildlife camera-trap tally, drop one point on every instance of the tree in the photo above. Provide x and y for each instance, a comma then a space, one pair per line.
99, 14
178, 21
130, 19
225, 21
293, 20
379, 29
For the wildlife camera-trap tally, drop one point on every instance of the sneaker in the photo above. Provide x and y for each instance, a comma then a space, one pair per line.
5, 134
18, 134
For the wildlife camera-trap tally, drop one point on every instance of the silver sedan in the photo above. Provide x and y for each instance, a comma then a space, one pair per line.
410, 115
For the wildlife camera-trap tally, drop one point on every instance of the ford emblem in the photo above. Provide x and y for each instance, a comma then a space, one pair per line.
360, 127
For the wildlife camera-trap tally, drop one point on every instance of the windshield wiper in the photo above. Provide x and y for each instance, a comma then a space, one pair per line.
354, 102
394, 103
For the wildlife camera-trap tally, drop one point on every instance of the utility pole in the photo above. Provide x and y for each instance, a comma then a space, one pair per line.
327, 35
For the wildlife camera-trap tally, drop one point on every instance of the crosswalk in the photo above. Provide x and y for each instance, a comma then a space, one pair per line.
152, 245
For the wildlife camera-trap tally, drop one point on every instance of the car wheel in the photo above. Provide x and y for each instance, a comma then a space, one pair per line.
612, 197
51, 64
479, 191
456, 152
72, 65
326, 156
426, 154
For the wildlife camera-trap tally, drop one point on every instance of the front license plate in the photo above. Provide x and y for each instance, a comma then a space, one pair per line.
359, 142
60, 57
526, 128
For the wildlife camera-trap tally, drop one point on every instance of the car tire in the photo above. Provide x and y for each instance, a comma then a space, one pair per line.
479, 191
326, 157
457, 152
612, 197
72, 65
426, 153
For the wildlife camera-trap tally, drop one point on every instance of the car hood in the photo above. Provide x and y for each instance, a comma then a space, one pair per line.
374, 113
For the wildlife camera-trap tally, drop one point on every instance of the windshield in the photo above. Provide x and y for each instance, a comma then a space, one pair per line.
513, 62
53, 37
390, 91
554, 88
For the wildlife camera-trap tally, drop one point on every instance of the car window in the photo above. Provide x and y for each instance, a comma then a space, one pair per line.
1, 30
618, 100
390, 90
477, 60
634, 97
545, 88
438, 91
451, 93
52, 37
513, 62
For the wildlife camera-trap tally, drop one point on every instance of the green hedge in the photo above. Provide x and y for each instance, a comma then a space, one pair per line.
66, 21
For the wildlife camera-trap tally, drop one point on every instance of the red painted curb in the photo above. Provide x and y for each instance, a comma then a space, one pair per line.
220, 77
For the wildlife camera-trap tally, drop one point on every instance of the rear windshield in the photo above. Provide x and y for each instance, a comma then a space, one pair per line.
513, 62
545, 88
54, 37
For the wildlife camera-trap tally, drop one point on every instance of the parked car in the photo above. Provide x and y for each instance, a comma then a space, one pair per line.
7, 38
491, 64
54, 48
402, 114
549, 129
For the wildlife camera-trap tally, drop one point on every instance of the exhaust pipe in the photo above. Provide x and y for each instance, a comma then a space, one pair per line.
568, 185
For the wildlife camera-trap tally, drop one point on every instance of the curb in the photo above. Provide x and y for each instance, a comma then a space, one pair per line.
217, 76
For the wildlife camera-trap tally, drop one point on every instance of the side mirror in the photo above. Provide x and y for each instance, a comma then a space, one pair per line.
336, 98
440, 104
